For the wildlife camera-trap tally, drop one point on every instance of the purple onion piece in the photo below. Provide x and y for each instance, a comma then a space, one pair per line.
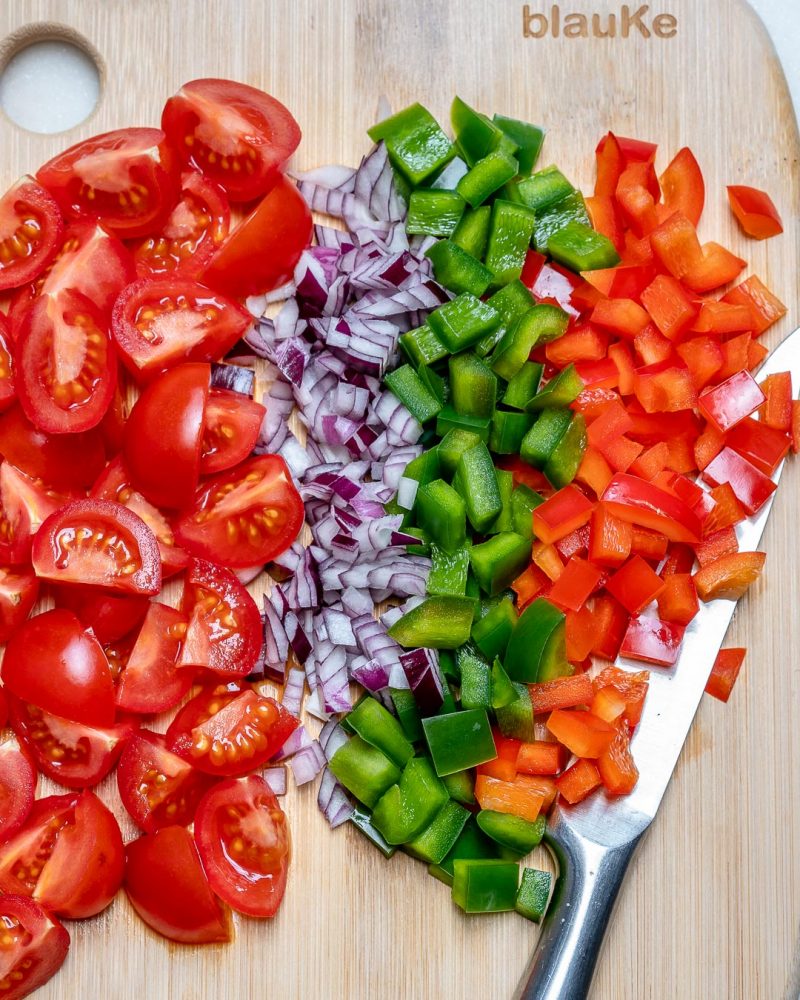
275, 777
235, 378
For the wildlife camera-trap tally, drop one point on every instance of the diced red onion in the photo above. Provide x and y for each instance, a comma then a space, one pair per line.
279, 402
332, 736
334, 176
451, 175
355, 603
235, 378
307, 763
294, 687
275, 777
407, 492
246, 574
339, 628
371, 675
422, 671
298, 739
333, 801
276, 642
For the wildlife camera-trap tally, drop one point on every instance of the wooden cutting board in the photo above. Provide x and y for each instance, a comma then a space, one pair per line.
711, 908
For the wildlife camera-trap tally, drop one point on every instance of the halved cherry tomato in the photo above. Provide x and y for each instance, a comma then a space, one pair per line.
246, 515
235, 134
261, 252
128, 179
156, 786
17, 787
8, 392
160, 322
244, 843
115, 484
230, 430
151, 682
168, 888
224, 630
30, 228
109, 616
228, 729
112, 427
68, 856
165, 467
25, 504
19, 590
195, 228
74, 755
33, 948
52, 662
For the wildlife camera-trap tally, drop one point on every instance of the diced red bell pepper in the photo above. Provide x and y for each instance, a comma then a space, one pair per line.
594, 471
503, 770
735, 355
635, 585
605, 218
534, 262
597, 374
638, 251
703, 357
581, 732
611, 622
632, 687
752, 488
756, 354
795, 426
652, 641
508, 797
665, 387
681, 456
579, 632
636, 194
609, 538
648, 544
524, 473
708, 445
726, 510
717, 316
726, 404
678, 602
581, 343
563, 512
755, 211
609, 165
562, 692
680, 559
653, 427
624, 317
578, 781
717, 544
765, 308
626, 281
621, 356
631, 499
616, 766
760, 444
546, 556
724, 673
700, 268
593, 401
538, 784
621, 453
608, 704
652, 347
729, 576
573, 544
651, 461
682, 186
669, 304
540, 758
777, 410
575, 584
529, 585
716, 267
585, 297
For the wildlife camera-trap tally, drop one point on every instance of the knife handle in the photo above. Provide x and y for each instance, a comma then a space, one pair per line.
589, 880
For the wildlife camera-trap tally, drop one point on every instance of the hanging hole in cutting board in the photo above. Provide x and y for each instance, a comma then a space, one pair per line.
50, 78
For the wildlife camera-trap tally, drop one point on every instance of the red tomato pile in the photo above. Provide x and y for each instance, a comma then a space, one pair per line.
121, 271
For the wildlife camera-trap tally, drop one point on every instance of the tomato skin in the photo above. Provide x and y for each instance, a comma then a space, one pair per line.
231, 425
19, 591
213, 123
38, 952
127, 158
3, 709
168, 888
261, 252
67, 548
189, 323
264, 495
38, 227
109, 616
165, 468
52, 662
255, 888
25, 504
8, 392
17, 787
151, 802
151, 681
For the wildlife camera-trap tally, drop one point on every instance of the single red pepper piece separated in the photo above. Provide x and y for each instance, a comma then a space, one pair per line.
755, 211
652, 641
724, 672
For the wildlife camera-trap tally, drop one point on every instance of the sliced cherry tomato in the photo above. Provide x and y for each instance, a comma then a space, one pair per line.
244, 843
196, 227
68, 856
52, 662
168, 888
229, 729
165, 467
246, 515
224, 631
74, 755
66, 462
151, 682
115, 484
30, 230
33, 947
17, 787
112, 427
8, 392
261, 252
235, 134
25, 504
156, 786
99, 543
109, 616
230, 430
160, 322
128, 179
19, 590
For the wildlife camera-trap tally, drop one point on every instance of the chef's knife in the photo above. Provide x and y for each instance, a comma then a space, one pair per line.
593, 842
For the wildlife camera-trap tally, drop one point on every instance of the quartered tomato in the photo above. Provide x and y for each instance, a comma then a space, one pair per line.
165, 467
19, 590
160, 322
229, 729
151, 681
224, 632
17, 787
230, 430
115, 484
25, 503
261, 252
68, 856
30, 228
246, 515
195, 228
101, 544
109, 616
243, 839
168, 888
128, 179
52, 662
73, 754
8, 392
33, 946
235, 134
156, 786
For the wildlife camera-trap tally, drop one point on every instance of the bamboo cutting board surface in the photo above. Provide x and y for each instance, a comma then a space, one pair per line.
711, 907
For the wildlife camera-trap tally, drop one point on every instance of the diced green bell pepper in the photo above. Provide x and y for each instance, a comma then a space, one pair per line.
571, 209
563, 389
434, 212
364, 770
505, 519
537, 649
492, 632
487, 176
424, 546
458, 270
499, 560
462, 321
540, 442
362, 820
442, 513
378, 727
485, 886
481, 493
459, 740
503, 692
566, 457
524, 502
475, 134
509, 239
448, 575
473, 386
453, 445
527, 138
543, 189
473, 843
517, 834
461, 786
417, 146
472, 232
580, 248
424, 468
447, 661
422, 346
409, 806
417, 399
540, 324
405, 704
448, 420
476, 683
438, 387
507, 431
511, 301
438, 623
438, 838
516, 718
523, 386
465, 656
534, 894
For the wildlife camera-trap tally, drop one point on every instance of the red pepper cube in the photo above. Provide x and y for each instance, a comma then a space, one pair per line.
612, 422
595, 472
581, 343
729, 576
635, 585
632, 686
541, 757
680, 559
752, 488
651, 545
621, 453
616, 766
651, 461
669, 305
534, 262
726, 510
724, 673
578, 781
600, 374
795, 426
755, 211
719, 543
652, 641
609, 538
561, 692
562, 513
707, 446
633, 500
703, 357
678, 602
665, 387
579, 633
624, 317
764, 446
573, 587
623, 360
528, 585
777, 410
720, 317
765, 308
731, 401
580, 732
651, 346
575, 543
611, 622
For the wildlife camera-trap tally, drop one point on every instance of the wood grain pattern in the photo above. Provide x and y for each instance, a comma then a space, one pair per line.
711, 908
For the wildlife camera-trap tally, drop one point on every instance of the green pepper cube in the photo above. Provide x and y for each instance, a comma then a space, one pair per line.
448, 575
437, 840
449, 420
472, 232
563, 213
487, 176
438, 388
511, 301
476, 682
405, 704
503, 692
580, 248
459, 740
462, 321
364, 770
534, 894
492, 632
565, 459
424, 468
417, 399
457, 270
475, 134
516, 718
544, 189
417, 146
524, 502
377, 726
523, 386
481, 493
526, 137
563, 389
539, 325
504, 520
362, 820
408, 807
498, 561
512, 832
453, 445
434, 212
540, 442
472, 843
442, 513
438, 623
460, 786
507, 431
473, 386
537, 648
485, 886
422, 346
509, 239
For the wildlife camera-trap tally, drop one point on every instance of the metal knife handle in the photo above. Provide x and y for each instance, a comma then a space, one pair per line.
589, 880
